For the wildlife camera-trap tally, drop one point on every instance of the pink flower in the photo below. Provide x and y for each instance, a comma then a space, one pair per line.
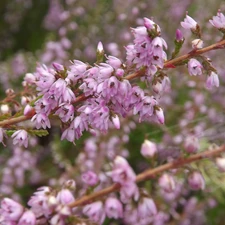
65, 196
189, 23
196, 181
212, 80
20, 137
148, 149
41, 120
194, 67
90, 178
179, 35
11, 210
95, 211
113, 208
167, 183
191, 144
218, 21
146, 208
28, 218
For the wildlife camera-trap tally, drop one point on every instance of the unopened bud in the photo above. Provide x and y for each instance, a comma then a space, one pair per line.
167, 183
196, 181
197, 44
9, 91
179, 35
148, 149
116, 121
4, 109
191, 144
100, 49
28, 110
160, 115
57, 66
220, 162
29, 78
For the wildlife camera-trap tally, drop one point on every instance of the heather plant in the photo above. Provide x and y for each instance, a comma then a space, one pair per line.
94, 142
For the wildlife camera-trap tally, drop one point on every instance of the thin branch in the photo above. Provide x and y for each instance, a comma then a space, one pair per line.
148, 174
167, 64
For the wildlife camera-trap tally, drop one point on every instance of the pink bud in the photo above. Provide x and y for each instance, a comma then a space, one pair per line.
57, 66
116, 121
179, 35
90, 178
148, 149
28, 110
65, 196
196, 181
160, 115
167, 183
220, 162
191, 144
100, 47
197, 44
189, 23
212, 80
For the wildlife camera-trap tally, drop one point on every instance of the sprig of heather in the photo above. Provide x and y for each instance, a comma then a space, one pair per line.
106, 88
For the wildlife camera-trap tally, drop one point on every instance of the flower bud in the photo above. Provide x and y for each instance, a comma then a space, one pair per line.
220, 162
28, 110
90, 178
5, 109
57, 66
196, 181
191, 144
100, 49
160, 115
113, 208
197, 44
167, 183
179, 35
148, 149
65, 196
212, 80
116, 121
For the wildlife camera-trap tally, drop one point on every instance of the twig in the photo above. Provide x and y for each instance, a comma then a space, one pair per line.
148, 174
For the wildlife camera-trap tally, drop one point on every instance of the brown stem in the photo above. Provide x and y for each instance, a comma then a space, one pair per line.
167, 64
173, 62
149, 173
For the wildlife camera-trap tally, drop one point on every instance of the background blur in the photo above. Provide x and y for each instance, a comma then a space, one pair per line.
48, 31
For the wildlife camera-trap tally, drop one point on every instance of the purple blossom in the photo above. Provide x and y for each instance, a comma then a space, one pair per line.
212, 80
113, 208
90, 178
194, 67
41, 120
196, 181
116, 121
146, 208
65, 196
191, 144
189, 23
95, 212
179, 35
20, 137
218, 21
28, 218
167, 182
11, 210
65, 112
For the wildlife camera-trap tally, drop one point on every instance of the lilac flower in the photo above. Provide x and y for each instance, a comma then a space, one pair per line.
65, 196
122, 172
218, 21
41, 120
148, 149
39, 202
105, 71
90, 178
28, 110
194, 67
65, 112
212, 80
58, 67
77, 71
167, 183
149, 24
189, 23
114, 62
95, 212
146, 208
28, 218
11, 210
113, 208
20, 137
196, 181
191, 144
